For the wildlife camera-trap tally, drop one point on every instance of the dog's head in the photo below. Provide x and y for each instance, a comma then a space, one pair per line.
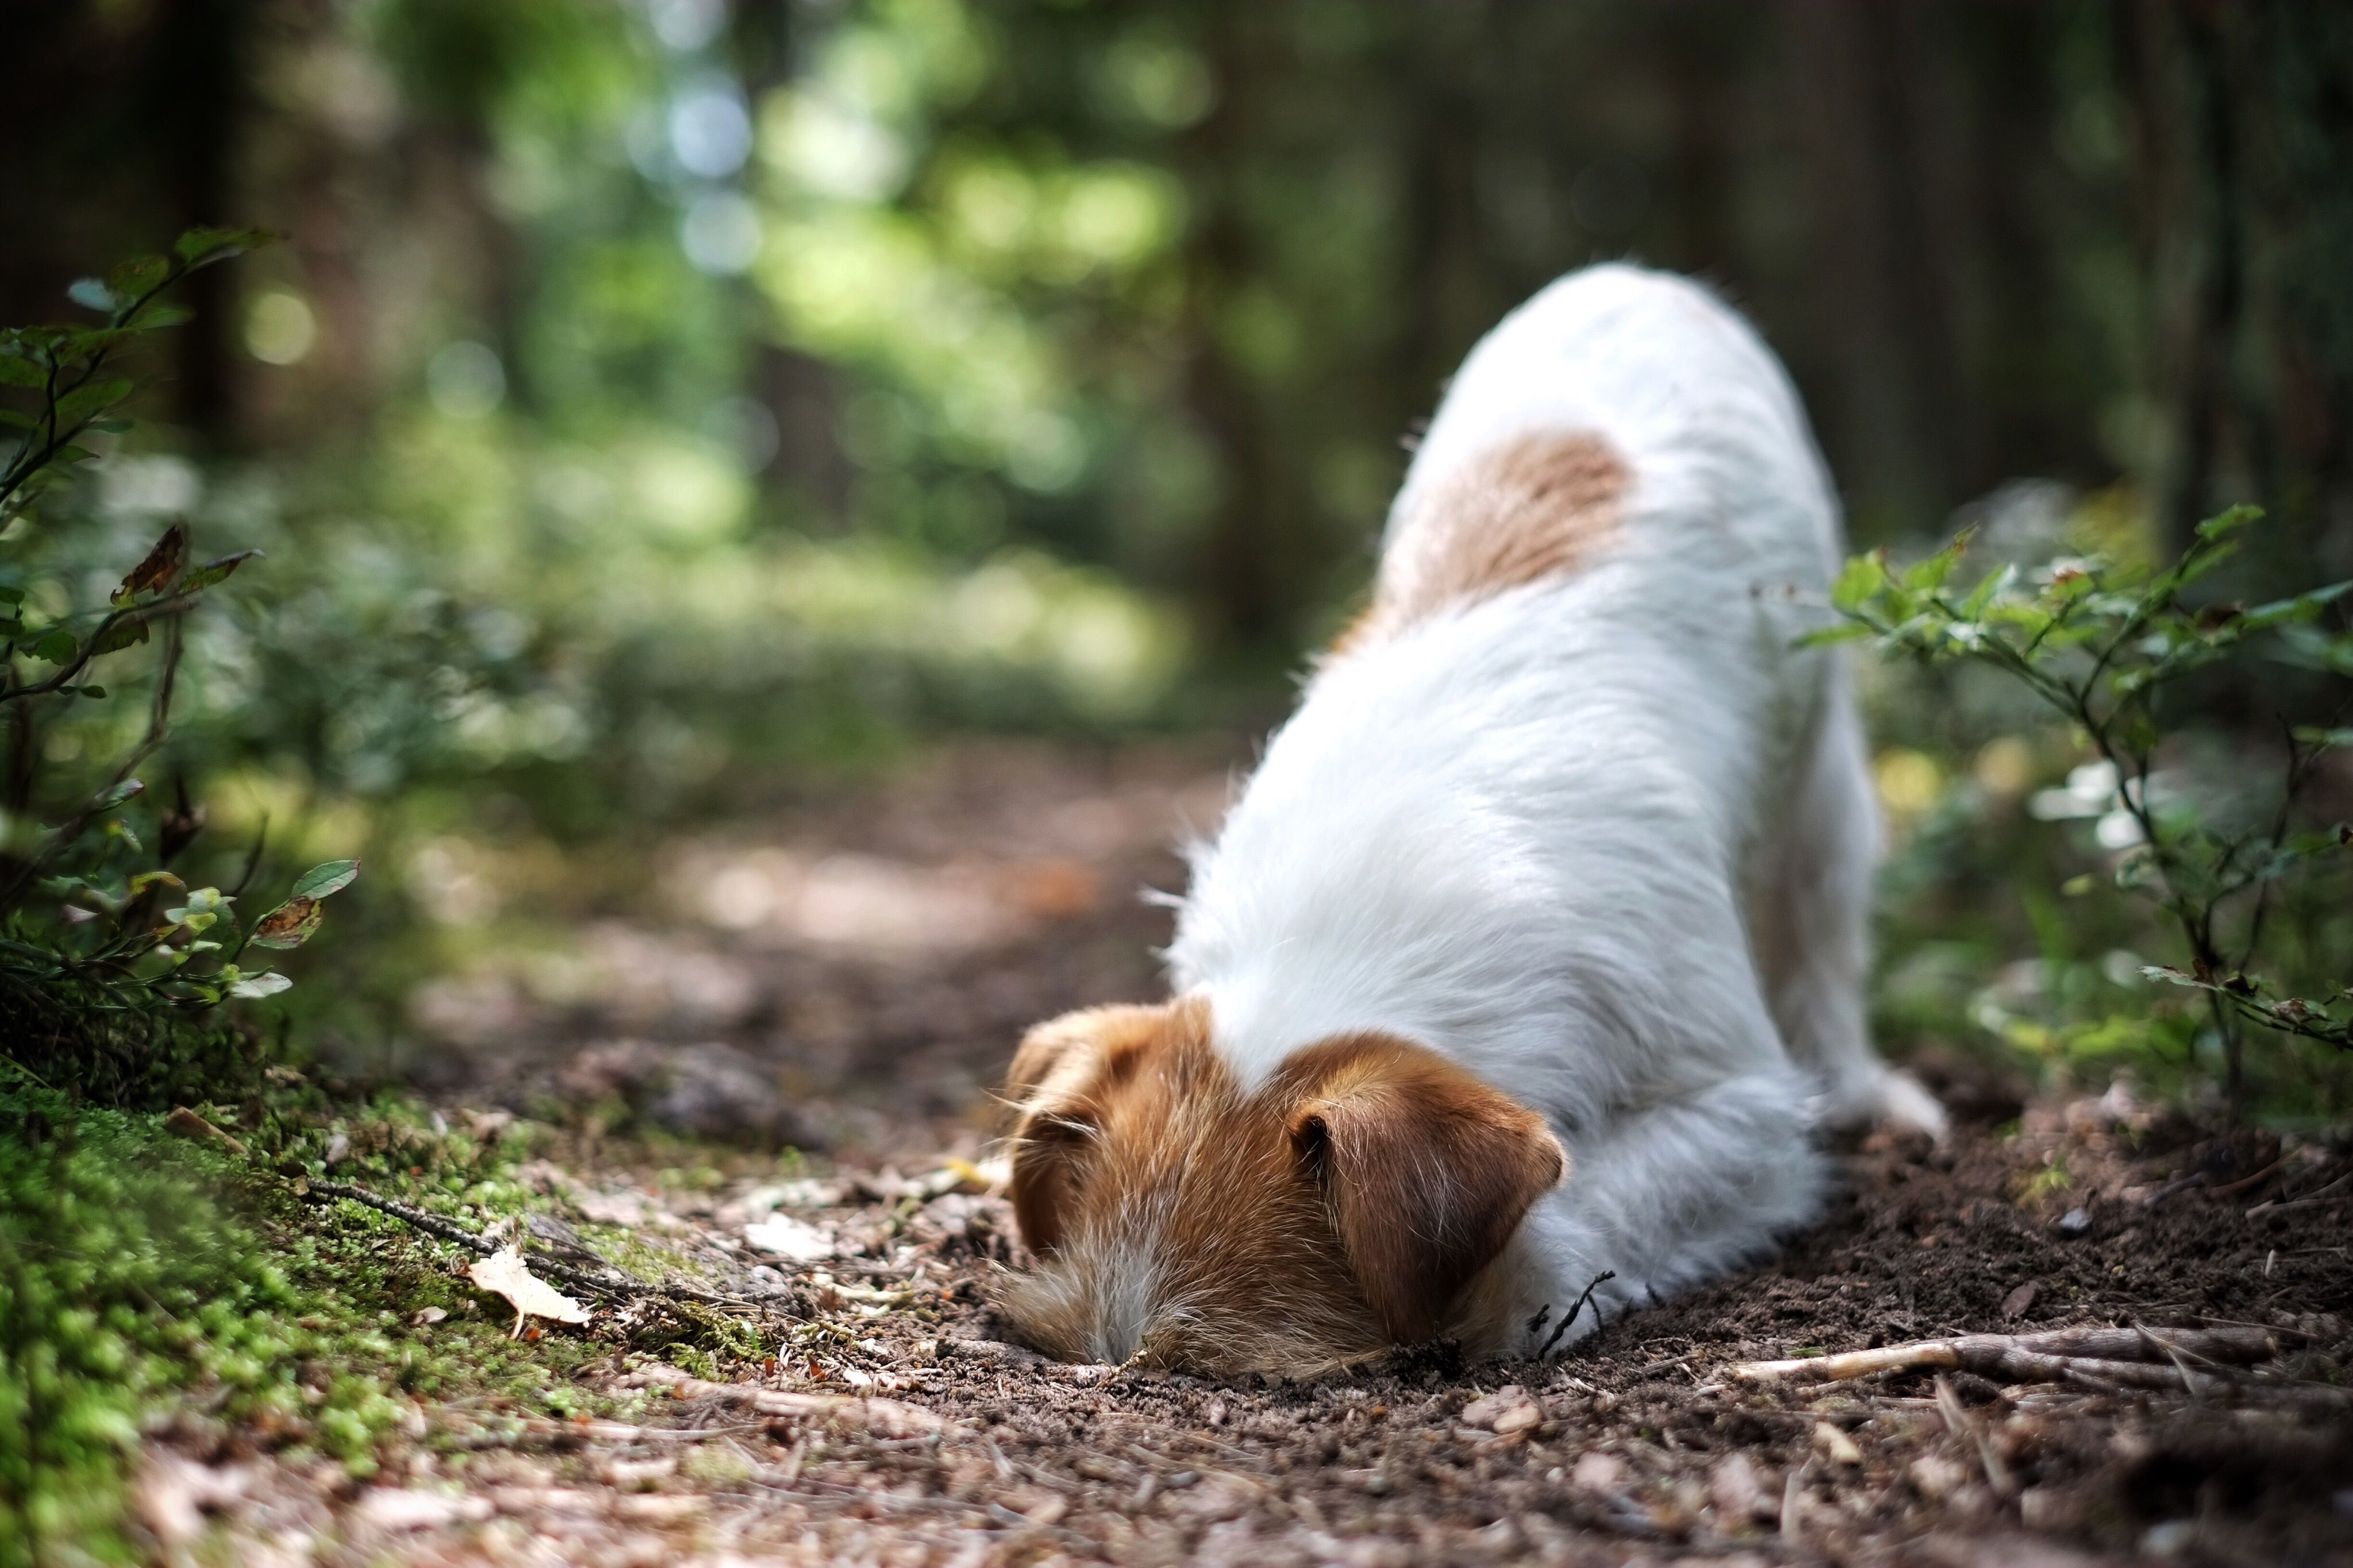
1183, 1220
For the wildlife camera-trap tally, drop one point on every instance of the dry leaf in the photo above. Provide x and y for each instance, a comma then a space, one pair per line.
504, 1273
2014, 1305
163, 564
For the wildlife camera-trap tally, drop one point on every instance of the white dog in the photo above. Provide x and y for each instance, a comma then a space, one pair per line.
1535, 949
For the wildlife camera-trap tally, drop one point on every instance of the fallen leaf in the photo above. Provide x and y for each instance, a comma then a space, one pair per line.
781, 1236
504, 1273
2014, 1305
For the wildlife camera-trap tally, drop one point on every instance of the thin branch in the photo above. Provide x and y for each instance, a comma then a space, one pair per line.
612, 1282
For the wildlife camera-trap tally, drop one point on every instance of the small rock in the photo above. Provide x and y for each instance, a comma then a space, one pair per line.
391, 1508
2048, 1509
1934, 1478
1740, 1492
1596, 1471
659, 1507
172, 1492
2171, 1538
2075, 1221
1507, 1410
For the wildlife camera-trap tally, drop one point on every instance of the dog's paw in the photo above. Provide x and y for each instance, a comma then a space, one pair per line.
1903, 1102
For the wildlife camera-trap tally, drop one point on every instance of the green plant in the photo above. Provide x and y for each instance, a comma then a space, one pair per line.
2108, 649
91, 920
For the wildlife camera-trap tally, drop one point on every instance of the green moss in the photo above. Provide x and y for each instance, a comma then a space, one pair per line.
139, 1270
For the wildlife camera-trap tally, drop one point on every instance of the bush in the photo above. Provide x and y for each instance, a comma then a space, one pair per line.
2112, 651
100, 940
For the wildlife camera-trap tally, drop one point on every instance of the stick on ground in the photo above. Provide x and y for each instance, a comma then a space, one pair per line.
2117, 1355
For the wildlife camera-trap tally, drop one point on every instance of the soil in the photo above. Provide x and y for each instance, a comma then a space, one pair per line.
849, 978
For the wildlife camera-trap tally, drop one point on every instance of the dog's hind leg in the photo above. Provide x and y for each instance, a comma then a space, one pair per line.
1812, 928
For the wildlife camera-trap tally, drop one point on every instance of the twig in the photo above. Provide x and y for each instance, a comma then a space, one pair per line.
2275, 1205
1577, 1306
2020, 1357
2247, 1184
881, 1417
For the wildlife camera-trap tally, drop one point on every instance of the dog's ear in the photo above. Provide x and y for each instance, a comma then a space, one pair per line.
1427, 1170
1055, 1084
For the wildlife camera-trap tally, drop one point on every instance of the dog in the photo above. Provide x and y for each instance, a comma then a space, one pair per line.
1534, 950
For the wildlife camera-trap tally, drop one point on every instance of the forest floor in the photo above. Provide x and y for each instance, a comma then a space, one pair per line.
849, 977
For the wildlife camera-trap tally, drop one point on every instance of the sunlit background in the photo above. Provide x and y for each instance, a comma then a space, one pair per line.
660, 408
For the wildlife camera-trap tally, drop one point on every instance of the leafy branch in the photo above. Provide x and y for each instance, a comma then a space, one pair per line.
2100, 645
136, 937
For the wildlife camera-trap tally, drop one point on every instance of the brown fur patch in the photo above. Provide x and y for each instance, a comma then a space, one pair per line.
1536, 507
1339, 1209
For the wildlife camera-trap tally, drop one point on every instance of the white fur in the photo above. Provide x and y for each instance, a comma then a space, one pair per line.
1606, 841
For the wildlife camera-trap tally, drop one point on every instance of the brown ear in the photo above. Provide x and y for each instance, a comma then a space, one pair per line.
1055, 1080
1427, 1170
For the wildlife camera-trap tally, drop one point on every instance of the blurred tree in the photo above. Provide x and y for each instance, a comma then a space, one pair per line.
1159, 285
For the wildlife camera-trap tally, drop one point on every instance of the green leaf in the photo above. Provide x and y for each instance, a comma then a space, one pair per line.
161, 313
121, 635
326, 878
1984, 593
267, 983
1853, 631
89, 292
11, 595
2303, 607
2223, 525
120, 792
20, 369
91, 398
1858, 580
290, 924
58, 646
1929, 575
95, 693
135, 277
213, 572
202, 246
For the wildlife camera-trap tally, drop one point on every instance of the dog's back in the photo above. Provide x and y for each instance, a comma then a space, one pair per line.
1519, 786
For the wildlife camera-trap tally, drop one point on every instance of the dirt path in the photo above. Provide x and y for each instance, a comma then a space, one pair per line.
849, 977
